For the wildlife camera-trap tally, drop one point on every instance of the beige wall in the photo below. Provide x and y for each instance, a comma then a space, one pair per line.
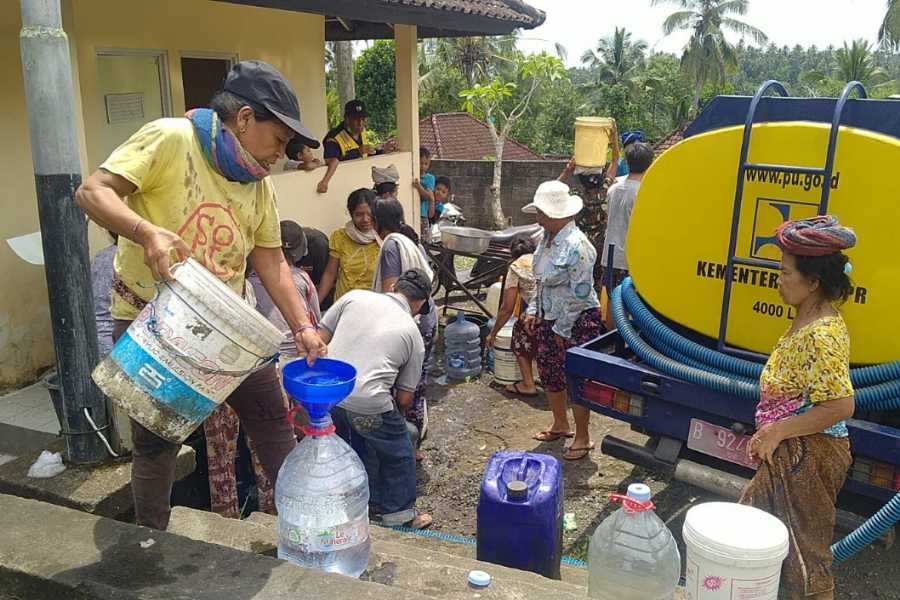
24, 316
298, 200
292, 42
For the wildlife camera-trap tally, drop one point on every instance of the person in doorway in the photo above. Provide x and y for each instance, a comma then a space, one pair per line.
164, 191
595, 183
621, 199
368, 419
518, 295
805, 395
353, 249
425, 187
566, 311
628, 138
385, 180
102, 272
300, 157
348, 141
400, 252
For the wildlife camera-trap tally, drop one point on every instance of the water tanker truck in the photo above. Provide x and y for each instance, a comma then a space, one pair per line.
701, 310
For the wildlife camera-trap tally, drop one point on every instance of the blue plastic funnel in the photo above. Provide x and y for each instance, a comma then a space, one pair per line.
320, 386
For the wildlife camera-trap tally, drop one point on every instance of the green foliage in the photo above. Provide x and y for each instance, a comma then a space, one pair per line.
374, 75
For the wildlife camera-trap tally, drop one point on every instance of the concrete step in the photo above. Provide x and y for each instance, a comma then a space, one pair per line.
101, 489
50, 552
402, 561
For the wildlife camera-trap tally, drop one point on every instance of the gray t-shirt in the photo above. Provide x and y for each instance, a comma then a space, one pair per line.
392, 266
376, 334
620, 200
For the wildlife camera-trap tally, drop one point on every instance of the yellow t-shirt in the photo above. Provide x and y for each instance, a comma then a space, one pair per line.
806, 368
357, 267
220, 220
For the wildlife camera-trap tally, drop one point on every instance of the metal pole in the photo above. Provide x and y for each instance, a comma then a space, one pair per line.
49, 94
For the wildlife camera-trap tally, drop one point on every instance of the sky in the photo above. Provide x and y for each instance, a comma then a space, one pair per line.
578, 24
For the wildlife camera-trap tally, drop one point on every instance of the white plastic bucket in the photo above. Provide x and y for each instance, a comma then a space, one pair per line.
592, 140
506, 367
733, 551
184, 354
492, 302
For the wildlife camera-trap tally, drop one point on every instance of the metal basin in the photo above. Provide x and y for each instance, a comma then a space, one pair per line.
466, 239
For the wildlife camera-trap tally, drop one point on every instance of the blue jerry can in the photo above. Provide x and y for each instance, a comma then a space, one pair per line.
520, 512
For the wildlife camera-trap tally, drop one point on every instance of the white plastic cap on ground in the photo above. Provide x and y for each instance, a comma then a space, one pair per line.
639, 492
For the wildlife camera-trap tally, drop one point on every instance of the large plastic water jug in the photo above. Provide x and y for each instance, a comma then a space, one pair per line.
322, 491
632, 554
592, 140
462, 348
520, 512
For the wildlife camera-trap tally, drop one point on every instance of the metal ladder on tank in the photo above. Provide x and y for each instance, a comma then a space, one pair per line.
825, 173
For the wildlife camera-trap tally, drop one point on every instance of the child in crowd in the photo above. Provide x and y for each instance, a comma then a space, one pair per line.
300, 156
441, 195
620, 199
425, 186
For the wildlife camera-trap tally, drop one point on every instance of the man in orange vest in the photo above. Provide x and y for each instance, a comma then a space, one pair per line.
349, 141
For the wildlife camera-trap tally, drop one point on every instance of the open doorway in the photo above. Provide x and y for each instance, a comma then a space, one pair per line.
203, 76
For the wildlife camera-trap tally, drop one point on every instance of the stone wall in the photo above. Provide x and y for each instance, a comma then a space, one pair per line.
471, 180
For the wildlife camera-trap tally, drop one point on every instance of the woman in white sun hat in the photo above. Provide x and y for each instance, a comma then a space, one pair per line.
566, 311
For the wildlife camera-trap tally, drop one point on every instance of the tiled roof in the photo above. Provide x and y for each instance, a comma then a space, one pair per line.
502, 10
461, 136
670, 140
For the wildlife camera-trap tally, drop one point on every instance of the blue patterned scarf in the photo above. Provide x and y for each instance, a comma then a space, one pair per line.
222, 148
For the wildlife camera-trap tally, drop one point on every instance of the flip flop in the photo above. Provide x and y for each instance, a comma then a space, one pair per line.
579, 453
551, 436
514, 389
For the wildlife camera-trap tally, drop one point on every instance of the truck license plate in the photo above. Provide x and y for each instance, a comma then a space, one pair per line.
719, 442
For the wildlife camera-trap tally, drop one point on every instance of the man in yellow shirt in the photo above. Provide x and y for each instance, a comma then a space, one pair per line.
349, 141
199, 187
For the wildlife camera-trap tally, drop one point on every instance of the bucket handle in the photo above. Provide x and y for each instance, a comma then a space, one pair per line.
193, 362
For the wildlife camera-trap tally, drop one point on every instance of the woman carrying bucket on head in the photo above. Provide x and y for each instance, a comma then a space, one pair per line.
198, 187
804, 396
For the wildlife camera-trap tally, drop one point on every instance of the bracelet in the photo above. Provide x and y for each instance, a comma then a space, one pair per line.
303, 328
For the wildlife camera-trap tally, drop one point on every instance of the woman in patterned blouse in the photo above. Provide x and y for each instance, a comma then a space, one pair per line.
805, 395
566, 311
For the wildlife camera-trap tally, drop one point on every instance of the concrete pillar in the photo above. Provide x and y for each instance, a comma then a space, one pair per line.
407, 89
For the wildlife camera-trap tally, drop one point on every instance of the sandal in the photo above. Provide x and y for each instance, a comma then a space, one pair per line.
514, 389
420, 521
551, 436
573, 453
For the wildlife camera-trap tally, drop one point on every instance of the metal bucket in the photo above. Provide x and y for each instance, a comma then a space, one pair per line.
184, 354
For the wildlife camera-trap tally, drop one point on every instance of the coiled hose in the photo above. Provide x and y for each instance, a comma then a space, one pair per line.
876, 387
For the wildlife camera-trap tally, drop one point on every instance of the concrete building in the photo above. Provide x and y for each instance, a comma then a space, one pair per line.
134, 61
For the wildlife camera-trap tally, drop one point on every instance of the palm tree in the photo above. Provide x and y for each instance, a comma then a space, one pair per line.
477, 57
617, 58
708, 56
889, 32
856, 63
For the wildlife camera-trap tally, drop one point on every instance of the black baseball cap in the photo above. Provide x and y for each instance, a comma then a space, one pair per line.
355, 108
262, 84
293, 241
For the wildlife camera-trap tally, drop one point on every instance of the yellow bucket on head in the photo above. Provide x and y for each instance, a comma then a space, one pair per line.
592, 140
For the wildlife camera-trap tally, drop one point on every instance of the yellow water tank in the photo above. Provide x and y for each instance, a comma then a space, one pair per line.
592, 140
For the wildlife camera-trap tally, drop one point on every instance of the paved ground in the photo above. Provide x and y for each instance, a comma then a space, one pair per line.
468, 422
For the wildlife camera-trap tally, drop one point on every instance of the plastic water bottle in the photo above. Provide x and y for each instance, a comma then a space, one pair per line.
632, 554
462, 348
322, 495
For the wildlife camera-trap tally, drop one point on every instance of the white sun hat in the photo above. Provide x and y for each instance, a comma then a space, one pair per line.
554, 200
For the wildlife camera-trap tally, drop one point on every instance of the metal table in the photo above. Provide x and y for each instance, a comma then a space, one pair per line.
497, 258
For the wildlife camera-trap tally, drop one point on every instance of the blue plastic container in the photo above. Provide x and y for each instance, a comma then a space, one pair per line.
520, 512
